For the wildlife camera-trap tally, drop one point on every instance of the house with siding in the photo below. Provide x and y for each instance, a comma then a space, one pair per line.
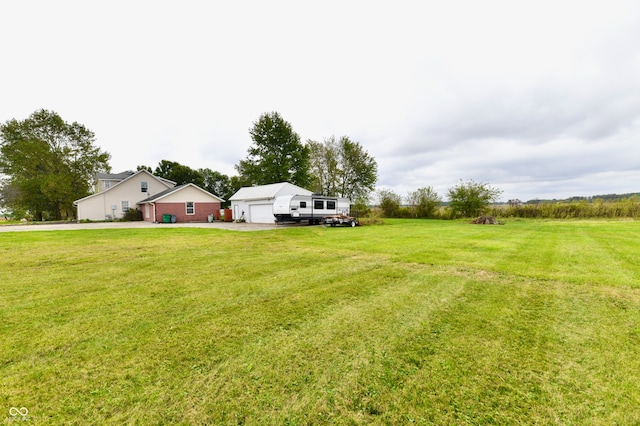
115, 194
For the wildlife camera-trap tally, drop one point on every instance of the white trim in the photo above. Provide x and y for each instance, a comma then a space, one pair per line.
164, 181
193, 207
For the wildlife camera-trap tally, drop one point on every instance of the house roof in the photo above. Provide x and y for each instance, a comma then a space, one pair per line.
268, 191
166, 192
165, 181
116, 176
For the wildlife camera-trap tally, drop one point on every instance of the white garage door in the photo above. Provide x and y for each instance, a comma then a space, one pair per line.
261, 213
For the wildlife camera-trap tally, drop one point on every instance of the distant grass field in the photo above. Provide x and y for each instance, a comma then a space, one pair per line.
424, 322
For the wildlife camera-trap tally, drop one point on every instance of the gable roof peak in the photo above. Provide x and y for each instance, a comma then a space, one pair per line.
268, 191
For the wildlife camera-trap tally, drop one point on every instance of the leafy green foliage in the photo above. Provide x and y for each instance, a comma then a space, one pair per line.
389, 202
276, 155
423, 202
359, 170
218, 184
360, 208
132, 215
212, 181
49, 163
324, 169
342, 168
179, 173
469, 199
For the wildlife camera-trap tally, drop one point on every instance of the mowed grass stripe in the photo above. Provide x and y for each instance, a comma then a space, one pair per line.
617, 252
324, 356
264, 310
416, 321
525, 351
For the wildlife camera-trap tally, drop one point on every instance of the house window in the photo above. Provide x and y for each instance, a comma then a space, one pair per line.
125, 206
191, 207
144, 187
318, 204
331, 205
303, 204
106, 184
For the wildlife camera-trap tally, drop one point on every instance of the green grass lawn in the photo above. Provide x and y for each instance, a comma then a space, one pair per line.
425, 322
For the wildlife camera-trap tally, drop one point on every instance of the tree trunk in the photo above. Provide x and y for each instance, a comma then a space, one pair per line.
56, 210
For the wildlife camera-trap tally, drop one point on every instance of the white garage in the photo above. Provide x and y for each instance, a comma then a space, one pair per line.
255, 203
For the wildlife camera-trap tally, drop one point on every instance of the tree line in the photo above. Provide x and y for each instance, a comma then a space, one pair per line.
466, 199
46, 164
472, 199
334, 167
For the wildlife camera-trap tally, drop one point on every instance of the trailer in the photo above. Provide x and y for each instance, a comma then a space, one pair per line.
310, 208
340, 219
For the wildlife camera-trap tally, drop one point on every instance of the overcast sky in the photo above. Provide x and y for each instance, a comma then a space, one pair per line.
540, 99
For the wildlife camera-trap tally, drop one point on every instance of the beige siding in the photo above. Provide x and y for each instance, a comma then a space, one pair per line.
98, 206
188, 193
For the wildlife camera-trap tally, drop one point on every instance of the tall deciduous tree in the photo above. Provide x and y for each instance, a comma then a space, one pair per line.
324, 159
218, 184
215, 182
49, 163
359, 170
469, 199
342, 168
179, 173
276, 155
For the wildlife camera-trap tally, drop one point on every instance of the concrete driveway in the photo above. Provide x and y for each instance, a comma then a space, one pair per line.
120, 225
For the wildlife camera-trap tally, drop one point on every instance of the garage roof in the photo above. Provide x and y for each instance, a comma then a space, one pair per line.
262, 192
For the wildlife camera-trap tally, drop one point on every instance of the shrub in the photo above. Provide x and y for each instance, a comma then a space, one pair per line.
360, 209
389, 202
423, 202
132, 215
373, 218
470, 199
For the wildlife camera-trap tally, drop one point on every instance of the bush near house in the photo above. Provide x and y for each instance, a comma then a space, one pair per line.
132, 215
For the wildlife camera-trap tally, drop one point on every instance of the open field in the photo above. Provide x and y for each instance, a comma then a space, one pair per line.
425, 322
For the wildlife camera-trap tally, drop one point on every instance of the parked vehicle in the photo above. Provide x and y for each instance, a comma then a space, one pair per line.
311, 208
340, 219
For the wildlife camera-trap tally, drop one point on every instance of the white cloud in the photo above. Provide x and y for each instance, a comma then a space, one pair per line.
538, 98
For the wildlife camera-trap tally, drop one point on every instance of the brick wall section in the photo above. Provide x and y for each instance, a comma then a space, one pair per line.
179, 210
